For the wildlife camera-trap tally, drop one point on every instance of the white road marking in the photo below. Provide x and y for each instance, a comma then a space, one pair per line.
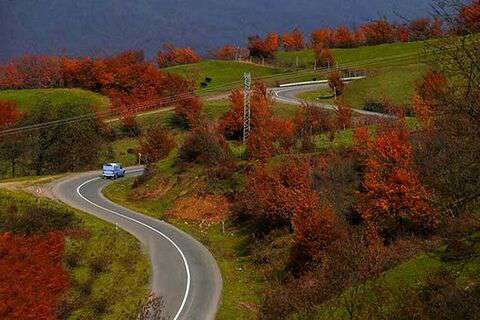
187, 268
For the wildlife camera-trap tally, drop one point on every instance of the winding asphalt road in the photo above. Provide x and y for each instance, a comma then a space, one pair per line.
185, 274
290, 95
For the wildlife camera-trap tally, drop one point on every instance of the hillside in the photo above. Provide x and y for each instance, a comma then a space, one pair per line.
223, 74
393, 70
27, 98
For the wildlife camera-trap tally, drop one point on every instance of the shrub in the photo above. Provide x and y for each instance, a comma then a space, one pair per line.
392, 196
156, 144
171, 56
336, 83
204, 145
272, 197
9, 113
323, 56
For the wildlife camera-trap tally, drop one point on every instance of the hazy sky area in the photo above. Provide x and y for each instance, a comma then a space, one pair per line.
100, 27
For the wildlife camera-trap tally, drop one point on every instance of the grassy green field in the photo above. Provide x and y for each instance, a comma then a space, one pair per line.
393, 71
29, 97
223, 74
395, 84
362, 57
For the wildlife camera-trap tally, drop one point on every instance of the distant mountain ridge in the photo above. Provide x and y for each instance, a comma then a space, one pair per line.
81, 27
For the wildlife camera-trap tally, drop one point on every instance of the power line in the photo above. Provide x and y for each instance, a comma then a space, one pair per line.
175, 98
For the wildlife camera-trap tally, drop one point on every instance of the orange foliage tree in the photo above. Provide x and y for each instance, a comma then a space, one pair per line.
32, 280
310, 121
293, 41
316, 228
344, 115
232, 123
378, 32
324, 37
429, 90
205, 145
336, 83
344, 38
469, 18
171, 56
9, 113
323, 56
156, 144
392, 197
263, 48
273, 196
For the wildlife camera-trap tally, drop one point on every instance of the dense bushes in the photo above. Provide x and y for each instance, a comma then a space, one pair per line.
77, 266
171, 56
204, 145
156, 144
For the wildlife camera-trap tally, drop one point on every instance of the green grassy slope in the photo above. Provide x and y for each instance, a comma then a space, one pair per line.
393, 70
224, 74
369, 56
28, 98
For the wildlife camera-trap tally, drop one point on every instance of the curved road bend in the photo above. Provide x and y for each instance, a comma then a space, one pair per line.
185, 274
290, 95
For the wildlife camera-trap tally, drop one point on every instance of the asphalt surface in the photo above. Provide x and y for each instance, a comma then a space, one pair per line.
290, 95
185, 274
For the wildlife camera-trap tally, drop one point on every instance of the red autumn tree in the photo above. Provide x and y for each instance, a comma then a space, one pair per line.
171, 56
423, 28
323, 56
403, 33
232, 123
469, 18
344, 115
272, 42
293, 41
324, 37
156, 144
360, 37
429, 90
32, 280
316, 228
9, 113
205, 145
392, 198
188, 109
336, 83
230, 52
344, 38
274, 196
263, 48
378, 32
311, 121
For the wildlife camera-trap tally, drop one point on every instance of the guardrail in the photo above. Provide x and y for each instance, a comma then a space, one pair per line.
304, 83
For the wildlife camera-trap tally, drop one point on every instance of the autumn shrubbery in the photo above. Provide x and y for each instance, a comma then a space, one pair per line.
156, 144
75, 265
204, 145
171, 56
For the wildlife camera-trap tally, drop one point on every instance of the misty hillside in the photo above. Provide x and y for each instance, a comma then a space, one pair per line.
83, 27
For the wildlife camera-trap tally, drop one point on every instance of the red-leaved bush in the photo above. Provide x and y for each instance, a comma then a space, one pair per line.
9, 113
32, 280
171, 56
393, 198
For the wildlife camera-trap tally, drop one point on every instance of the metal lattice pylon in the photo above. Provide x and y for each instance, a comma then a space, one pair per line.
247, 81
